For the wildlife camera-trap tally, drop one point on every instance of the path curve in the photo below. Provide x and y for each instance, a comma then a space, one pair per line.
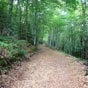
51, 69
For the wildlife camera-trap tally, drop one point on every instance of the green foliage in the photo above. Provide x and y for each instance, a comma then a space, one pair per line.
3, 16
72, 3
32, 49
19, 52
11, 48
1, 62
86, 73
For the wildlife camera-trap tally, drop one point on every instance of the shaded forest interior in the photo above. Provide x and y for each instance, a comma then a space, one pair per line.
60, 24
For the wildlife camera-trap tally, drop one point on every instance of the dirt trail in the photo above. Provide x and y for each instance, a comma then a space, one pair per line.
51, 69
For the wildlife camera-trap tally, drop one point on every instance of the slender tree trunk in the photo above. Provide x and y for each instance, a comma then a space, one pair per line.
10, 15
49, 40
26, 19
16, 20
84, 29
20, 18
36, 24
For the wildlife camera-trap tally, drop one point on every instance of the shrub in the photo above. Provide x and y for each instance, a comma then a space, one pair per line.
19, 53
14, 50
11, 49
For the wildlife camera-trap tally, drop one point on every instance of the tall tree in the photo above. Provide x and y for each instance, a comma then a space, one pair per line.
10, 15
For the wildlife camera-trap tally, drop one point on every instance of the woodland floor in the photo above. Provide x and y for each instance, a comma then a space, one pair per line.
49, 69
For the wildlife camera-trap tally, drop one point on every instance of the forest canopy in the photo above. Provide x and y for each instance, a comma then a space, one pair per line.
61, 24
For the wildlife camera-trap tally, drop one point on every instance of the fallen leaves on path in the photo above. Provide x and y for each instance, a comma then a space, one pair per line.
49, 69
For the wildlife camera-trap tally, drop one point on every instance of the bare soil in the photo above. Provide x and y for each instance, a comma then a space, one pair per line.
49, 69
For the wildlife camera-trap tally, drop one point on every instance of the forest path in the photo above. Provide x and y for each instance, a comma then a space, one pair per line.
51, 69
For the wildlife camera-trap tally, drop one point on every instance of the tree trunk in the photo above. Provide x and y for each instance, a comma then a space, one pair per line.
26, 19
20, 18
10, 16
84, 37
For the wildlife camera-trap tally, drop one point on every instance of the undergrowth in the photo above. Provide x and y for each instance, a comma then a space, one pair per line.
12, 50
